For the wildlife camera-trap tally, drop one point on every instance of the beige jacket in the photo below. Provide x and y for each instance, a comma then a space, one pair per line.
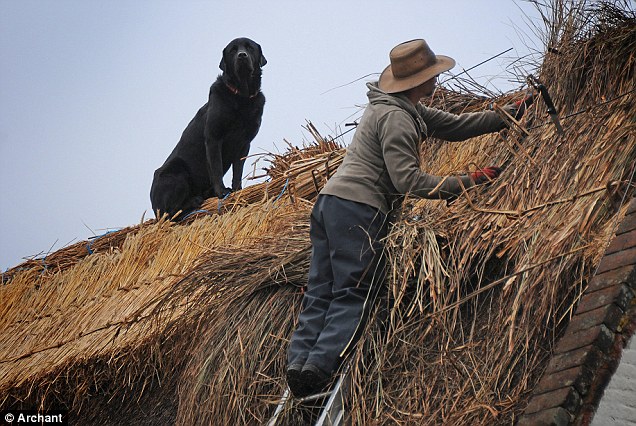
382, 162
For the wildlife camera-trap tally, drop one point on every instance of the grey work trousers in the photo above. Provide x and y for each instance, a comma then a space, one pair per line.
347, 269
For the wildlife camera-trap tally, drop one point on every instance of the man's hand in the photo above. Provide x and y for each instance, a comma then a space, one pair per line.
485, 175
519, 107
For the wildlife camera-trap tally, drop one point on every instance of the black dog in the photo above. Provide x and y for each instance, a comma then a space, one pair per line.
218, 136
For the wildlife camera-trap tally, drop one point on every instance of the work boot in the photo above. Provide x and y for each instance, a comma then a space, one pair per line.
314, 379
295, 381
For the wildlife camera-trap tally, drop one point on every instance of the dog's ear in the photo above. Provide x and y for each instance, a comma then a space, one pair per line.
222, 64
263, 61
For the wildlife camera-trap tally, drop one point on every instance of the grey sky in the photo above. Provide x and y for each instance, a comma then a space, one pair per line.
94, 95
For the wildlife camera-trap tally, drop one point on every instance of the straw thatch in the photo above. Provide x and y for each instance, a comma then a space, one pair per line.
190, 321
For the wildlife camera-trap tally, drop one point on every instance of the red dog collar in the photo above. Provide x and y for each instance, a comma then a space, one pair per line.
235, 91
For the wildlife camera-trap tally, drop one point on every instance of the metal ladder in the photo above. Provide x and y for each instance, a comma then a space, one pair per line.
331, 413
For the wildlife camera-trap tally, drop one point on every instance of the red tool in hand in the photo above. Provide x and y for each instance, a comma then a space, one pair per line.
485, 175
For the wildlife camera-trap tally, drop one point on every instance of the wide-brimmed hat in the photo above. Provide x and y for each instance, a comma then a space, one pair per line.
412, 63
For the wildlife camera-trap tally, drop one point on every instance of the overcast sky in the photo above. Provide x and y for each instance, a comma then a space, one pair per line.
94, 95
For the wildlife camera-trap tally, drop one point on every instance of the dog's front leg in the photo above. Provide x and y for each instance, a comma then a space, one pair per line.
213, 150
237, 173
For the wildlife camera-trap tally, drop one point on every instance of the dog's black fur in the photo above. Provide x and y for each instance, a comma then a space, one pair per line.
218, 136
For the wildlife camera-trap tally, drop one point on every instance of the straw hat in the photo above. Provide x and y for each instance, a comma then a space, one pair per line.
412, 63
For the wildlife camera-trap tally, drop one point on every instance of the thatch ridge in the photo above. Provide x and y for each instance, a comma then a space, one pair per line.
478, 290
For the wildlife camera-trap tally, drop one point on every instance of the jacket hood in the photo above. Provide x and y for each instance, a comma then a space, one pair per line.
378, 97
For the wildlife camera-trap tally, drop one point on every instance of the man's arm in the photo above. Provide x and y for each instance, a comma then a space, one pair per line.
399, 140
452, 127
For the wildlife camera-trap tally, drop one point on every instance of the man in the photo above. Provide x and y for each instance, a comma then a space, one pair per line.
349, 219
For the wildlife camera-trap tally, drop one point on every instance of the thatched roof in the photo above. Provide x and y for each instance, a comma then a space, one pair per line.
190, 321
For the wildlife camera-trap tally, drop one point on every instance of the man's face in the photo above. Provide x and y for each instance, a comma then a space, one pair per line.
428, 87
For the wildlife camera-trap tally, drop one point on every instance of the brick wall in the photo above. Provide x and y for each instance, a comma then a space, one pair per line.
587, 355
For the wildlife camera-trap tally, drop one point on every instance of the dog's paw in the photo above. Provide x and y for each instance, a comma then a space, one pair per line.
224, 192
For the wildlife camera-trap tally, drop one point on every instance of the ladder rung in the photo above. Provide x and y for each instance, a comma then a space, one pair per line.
314, 397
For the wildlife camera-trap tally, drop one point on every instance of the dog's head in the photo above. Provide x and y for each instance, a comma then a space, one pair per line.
241, 64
